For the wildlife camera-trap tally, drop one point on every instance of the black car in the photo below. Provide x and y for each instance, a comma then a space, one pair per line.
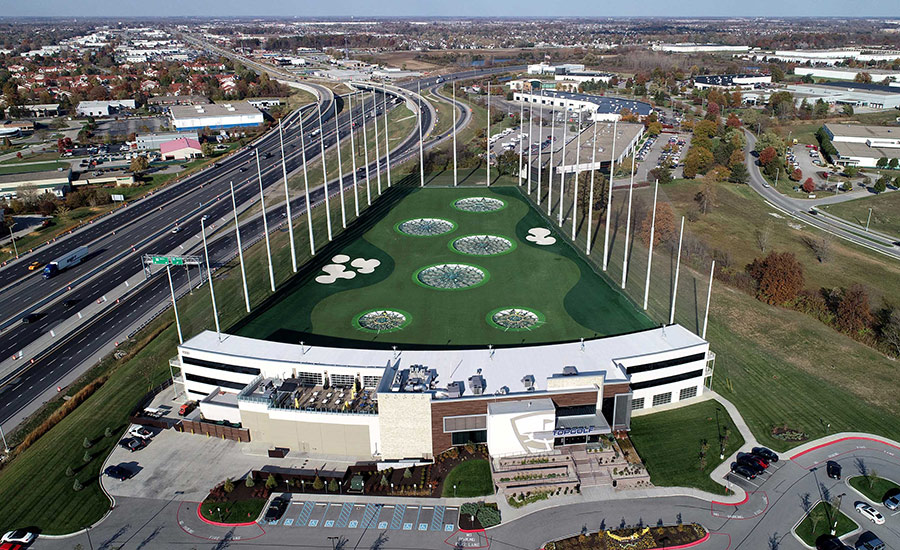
267, 155
133, 444
833, 469
243, 168
829, 542
69, 303
276, 509
743, 471
750, 463
765, 454
118, 472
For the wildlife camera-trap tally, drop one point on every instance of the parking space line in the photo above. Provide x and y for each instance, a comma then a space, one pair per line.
398, 516
327, 507
438, 518
305, 512
346, 510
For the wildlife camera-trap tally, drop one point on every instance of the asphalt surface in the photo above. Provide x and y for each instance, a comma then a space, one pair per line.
20, 390
801, 210
775, 503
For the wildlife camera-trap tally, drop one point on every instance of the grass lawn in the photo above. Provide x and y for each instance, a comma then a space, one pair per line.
37, 157
873, 487
240, 511
472, 479
27, 168
819, 521
885, 212
572, 299
670, 442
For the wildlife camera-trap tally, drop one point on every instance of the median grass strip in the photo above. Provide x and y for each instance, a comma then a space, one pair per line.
29, 168
820, 520
671, 443
472, 478
873, 487
885, 212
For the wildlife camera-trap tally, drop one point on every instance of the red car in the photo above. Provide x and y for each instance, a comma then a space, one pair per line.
11, 546
763, 463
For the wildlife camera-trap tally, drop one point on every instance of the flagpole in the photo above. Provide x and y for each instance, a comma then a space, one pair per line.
287, 200
312, 242
325, 175
237, 234
353, 157
677, 270
590, 227
612, 171
262, 201
628, 225
652, 237
337, 144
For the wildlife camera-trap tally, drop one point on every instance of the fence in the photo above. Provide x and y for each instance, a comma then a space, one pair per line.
214, 430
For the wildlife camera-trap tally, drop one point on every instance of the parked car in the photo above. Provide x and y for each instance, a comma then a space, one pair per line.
892, 502
186, 408
118, 472
758, 459
748, 462
133, 444
868, 541
870, 513
829, 542
765, 453
743, 471
21, 536
140, 432
276, 509
833, 469
11, 546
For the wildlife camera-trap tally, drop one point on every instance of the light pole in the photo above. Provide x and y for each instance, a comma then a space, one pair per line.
838, 511
6, 446
868, 220
87, 531
212, 293
454, 490
333, 539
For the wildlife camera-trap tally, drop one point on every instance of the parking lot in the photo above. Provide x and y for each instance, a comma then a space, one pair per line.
662, 150
313, 514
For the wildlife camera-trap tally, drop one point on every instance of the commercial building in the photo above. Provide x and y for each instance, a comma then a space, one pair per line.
585, 76
215, 116
389, 405
46, 181
691, 47
151, 142
856, 94
861, 145
743, 81
163, 102
265, 102
180, 149
627, 137
105, 177
847, 73
824, 57
546, 68
104, 108
600, 107
41, 110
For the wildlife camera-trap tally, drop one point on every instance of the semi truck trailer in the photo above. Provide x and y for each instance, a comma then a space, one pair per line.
67, 260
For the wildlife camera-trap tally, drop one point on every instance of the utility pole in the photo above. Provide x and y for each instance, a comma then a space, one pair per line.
541, 146
530, 127
628, 225
550, 162
562, 167
12, 239
521, 141
577, 173
677, 271
712, 272
868, 219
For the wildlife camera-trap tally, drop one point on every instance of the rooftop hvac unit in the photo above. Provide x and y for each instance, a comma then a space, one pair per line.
569, 370
230, 108
455, 389
476, 384
528, 382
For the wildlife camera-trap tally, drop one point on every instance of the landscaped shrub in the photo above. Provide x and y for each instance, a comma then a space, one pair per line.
77, 486
488, 517
60, 413
248, 482
270, 482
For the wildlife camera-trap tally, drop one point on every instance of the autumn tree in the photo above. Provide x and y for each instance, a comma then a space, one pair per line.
797, 174
139, 164
733, 121
809, 186
853, 311
664, 229
779, 277
706, 197
767, 156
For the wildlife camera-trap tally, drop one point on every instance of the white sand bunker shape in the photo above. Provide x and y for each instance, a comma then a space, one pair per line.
337, 270
540, 236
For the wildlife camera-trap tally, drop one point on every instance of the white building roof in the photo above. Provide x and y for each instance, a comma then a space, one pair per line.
212, 110
499, 366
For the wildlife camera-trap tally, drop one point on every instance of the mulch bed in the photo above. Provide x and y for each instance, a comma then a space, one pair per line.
642, 538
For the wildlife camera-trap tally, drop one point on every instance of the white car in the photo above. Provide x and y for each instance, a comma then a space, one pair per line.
892, 502
870, 513
140, 432
20, 536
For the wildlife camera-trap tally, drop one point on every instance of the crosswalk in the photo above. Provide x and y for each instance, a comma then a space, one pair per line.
397, 516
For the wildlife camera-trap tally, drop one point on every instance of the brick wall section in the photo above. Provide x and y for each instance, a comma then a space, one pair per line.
457, 407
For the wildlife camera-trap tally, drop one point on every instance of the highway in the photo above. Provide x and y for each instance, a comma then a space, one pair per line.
57, 362
820, 220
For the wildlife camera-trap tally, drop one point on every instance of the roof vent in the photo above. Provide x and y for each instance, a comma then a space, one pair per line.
569, 370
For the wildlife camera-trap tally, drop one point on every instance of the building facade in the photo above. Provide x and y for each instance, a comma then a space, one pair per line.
601, 108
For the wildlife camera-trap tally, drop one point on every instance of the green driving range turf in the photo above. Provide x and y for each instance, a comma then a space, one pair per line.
564, 298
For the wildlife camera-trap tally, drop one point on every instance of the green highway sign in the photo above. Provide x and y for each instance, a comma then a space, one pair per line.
160, 260
177, 260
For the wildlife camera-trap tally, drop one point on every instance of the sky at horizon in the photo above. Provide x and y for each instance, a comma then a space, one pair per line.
458, 8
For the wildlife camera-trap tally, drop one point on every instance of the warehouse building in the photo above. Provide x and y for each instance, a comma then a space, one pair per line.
546, 68
861, 145
585, 76
151, 142
847, 73
600, 107
104, 108
743, 81
856, 94
45, 181
369, 403
215, 116
180, 149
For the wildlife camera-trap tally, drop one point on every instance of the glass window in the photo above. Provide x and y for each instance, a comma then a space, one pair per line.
637, 403
687, 393
474, 436
662, 398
